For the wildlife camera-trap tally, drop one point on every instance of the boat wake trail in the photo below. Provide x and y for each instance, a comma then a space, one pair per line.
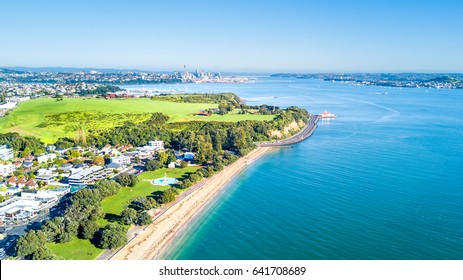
391, 112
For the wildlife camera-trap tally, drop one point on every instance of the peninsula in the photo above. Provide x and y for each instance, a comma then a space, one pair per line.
118, 177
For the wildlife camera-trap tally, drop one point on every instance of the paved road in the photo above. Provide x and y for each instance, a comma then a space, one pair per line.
298, 137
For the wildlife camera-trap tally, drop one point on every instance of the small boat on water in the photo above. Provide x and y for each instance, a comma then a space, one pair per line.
327, 115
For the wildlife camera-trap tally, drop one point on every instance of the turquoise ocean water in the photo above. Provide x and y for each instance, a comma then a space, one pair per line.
383, 181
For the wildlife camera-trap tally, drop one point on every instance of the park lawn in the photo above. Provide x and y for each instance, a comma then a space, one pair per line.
115, 204
76, 249
104, 114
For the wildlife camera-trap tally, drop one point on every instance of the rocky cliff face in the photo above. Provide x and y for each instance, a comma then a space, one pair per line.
288, 130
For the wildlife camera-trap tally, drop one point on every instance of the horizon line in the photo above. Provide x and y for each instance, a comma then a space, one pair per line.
224, 70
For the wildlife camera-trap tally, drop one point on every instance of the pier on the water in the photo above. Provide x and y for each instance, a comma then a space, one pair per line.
296, 138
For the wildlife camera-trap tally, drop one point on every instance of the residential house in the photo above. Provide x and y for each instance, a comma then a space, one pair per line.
6, 153
21, 183
28, 162
46, 175
51, 148
10, 191
46, 158
156, 144
61, 151
31, 184
125, 148
12, 181
6, 169
122, 160
106, 149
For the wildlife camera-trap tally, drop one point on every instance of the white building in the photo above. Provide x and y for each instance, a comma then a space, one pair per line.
156, 144
6, 169
10, 191
122, 160
29, 204
46, 158
46, 175
87, 176
20, 209
6, 153
45, 195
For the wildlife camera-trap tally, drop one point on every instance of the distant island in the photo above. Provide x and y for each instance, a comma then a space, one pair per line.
408, 80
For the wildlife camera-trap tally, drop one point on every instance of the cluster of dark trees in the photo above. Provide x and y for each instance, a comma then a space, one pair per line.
80, 220
136, 212
127, 180
25, 145
101, 90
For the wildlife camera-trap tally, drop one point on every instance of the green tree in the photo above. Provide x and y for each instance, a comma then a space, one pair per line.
186, 184
183, 164
143, 218
113, 236
51, 228
26, 152
74, 153
129, 216
43, 253
162, 157
68, 231
153, 165
194, 178
107, 187
126, 179
143, 203
98, 160
169, 195
29, 243
223, 108
87, 229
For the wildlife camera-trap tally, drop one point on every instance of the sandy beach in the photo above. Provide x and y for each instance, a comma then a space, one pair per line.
154, 239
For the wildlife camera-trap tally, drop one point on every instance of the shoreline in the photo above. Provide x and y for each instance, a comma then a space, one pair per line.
153, 241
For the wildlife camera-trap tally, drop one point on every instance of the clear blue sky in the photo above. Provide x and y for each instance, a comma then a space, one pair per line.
303, 36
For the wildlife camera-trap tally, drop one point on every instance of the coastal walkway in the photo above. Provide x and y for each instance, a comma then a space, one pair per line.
296, 138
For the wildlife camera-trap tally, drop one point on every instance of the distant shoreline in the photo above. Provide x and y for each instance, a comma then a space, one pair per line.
156, 238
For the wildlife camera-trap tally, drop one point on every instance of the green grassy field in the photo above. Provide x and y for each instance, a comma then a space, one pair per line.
49, 119
76, 249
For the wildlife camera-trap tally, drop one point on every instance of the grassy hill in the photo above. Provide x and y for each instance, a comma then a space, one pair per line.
49, 119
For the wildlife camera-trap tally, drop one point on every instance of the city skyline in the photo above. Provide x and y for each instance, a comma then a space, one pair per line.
235, 36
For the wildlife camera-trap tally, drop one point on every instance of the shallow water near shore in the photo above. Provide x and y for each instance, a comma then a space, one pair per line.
383, 181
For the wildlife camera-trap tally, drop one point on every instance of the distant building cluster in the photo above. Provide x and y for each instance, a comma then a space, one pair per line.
408, 80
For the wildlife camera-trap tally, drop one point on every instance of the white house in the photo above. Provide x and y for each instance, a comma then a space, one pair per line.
6, 153
46, 158
10, 191
156, 144
46, 175
6, 169
122, 160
